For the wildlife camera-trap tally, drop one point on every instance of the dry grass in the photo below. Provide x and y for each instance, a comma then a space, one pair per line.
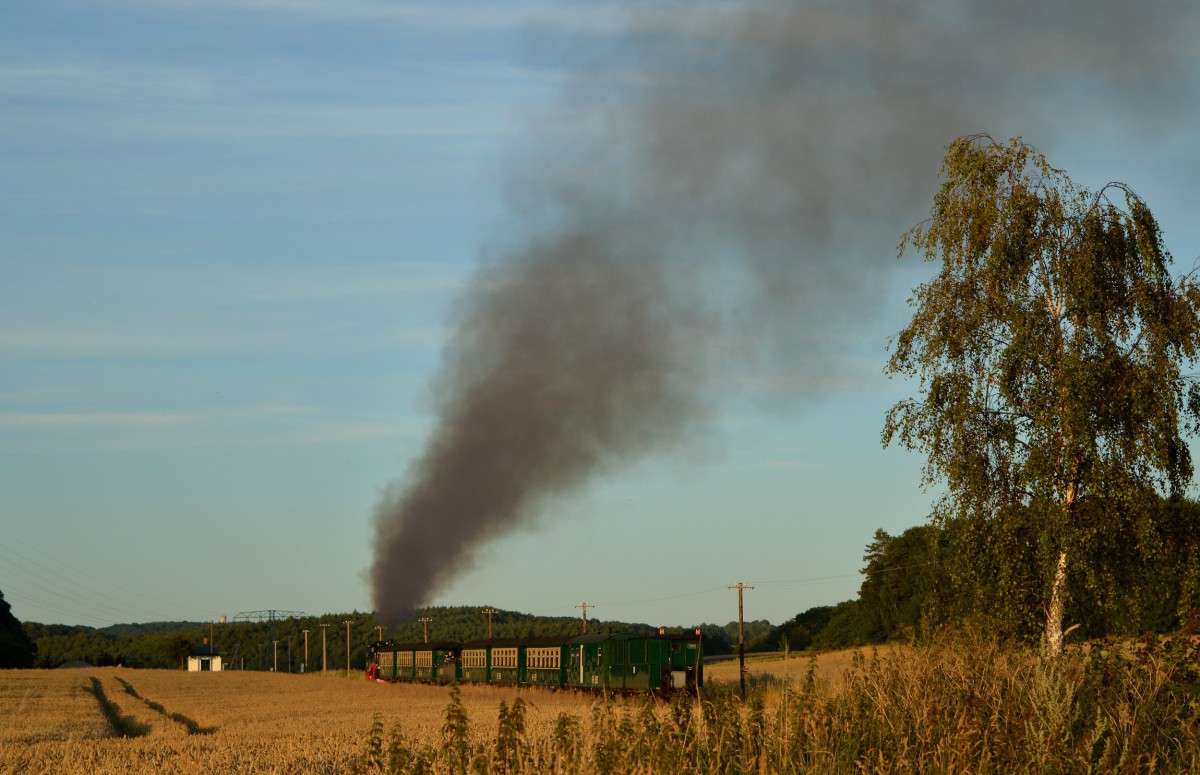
262, 722
963, 704
239, 721
828, 667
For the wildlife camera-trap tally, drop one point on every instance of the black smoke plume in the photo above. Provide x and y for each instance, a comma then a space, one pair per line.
713, 206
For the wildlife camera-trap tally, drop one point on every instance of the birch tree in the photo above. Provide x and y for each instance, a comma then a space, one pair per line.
1050, 350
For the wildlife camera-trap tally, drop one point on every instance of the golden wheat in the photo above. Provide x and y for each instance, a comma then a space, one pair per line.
230, 722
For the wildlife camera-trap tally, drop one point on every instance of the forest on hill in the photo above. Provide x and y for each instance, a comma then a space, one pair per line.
280, 644
914, 584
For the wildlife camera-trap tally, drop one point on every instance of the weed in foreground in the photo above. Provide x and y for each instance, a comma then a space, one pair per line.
963, 705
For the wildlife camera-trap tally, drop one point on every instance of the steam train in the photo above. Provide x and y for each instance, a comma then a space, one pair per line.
626, 662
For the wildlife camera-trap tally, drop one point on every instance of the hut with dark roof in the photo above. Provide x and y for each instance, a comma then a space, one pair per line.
204, 658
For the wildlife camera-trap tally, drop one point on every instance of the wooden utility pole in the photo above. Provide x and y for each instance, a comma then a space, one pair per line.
379, 629
585, 606
324, 651
741, 636
488, 613
304, 668
275, 644
347, 623
425, 620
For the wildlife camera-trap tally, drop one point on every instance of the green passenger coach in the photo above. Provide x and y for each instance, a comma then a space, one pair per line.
546, 661
633, 662
430, 662
625, 662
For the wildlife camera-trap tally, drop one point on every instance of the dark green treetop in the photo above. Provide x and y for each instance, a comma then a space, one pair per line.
16, 647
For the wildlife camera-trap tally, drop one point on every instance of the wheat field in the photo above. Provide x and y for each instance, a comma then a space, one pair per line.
963, 703
89, 720
232, 722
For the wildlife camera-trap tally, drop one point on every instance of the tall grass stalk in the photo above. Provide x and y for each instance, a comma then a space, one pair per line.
964, 704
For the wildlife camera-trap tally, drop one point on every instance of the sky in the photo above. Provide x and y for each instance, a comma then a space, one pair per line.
257, 256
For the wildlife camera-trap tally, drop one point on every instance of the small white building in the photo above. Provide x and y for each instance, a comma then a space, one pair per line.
204, 658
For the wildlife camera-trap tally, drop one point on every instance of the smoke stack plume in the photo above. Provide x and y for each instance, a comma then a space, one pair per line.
727, 186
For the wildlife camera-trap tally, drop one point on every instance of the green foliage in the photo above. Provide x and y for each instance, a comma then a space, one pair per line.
799, 632
717, 640
846, 628
456, 735
179, 648
903, 575
133, 645
511, 748
1138, 576
16, 647
1049, 350
755, 630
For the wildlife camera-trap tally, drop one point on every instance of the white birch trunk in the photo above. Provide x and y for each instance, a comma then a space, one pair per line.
1052, 643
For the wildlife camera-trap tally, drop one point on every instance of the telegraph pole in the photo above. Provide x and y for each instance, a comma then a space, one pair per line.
275, 644
741, 636
305, 668
347, 623
488, 613
425, 620
379, 629
324, 667
585, 606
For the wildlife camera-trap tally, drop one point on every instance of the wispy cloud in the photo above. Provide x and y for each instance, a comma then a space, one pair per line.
95, 312
24, 420
198, 339
265, 284
143, 419
79, 78
434, 16
245, 122
259, 424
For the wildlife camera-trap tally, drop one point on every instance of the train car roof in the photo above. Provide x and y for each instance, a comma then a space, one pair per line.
542, 642
660, 636
689, 636
591, 638
440, 645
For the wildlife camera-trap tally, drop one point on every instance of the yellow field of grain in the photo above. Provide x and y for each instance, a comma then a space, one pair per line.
827, 667
99, 720
53, 721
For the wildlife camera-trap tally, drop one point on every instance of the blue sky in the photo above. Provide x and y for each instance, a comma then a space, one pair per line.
233, 236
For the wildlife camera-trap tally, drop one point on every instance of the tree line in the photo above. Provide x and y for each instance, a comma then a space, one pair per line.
1143, 577
280, 644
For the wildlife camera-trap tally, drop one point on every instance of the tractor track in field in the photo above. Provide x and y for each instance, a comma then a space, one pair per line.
193, 727
120, 725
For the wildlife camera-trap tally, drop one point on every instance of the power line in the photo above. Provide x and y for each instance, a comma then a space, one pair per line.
821, 579
48, 586
666, 599
44, 581
20, 595
90, 592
